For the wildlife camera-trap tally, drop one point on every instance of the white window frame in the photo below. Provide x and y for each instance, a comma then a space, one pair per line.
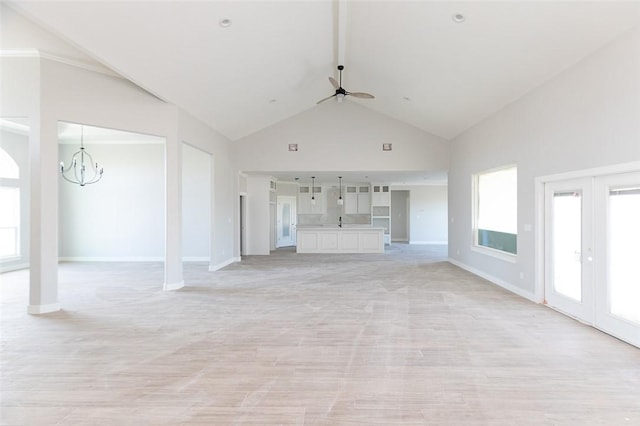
500, 254
11, 180
10, 184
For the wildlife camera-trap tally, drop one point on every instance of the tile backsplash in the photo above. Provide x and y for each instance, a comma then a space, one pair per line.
323, 219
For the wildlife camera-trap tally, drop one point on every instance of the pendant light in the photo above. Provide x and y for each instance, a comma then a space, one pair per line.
340, 200
313, 190
85, 171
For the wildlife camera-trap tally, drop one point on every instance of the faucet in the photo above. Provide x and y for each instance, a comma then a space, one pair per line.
340, 222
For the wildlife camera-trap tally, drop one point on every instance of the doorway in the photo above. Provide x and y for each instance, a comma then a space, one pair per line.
242, 221
400, 216
590, 250
286, 221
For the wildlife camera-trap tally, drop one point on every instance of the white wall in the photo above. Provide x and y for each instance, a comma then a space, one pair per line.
45, 91
586, 117
428, 208
224, 202
259, 221
122, 216
341, 137
287, 189
196, 204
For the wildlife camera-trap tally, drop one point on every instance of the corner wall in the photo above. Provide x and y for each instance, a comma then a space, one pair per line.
586, 117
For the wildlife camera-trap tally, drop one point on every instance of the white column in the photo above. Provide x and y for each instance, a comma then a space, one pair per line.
43, 274
173, 278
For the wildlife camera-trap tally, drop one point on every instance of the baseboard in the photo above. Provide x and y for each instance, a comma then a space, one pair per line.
173, 286
112, 259
12, 268
497, 281
130, 259
195, 259
43, 309
213, 268
439, 243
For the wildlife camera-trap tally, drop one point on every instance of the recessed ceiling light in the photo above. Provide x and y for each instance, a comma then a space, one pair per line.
406, 98
273, 101
225, 23
458, 18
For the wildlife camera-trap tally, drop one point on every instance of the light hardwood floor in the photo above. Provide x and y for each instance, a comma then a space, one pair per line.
397, 338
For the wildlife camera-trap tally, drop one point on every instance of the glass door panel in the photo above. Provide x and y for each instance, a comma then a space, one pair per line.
624, 237
568, 259
286, 220
617, 237
567, 244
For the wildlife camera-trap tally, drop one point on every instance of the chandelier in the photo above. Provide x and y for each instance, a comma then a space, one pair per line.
84, 170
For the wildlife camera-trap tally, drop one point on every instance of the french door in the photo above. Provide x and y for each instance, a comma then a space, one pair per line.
592, 247
286, 222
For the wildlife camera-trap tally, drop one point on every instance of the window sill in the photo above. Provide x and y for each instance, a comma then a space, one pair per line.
502, 255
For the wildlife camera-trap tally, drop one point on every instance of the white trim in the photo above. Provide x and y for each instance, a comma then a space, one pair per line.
195, 259
507, 286
14, 267
43, 309
615, 169
147, 141
173, 286
539, 208
213, 268
37, 53
440, 243
498, 254
111, 259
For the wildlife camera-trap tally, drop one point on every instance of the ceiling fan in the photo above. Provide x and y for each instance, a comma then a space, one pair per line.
341, 93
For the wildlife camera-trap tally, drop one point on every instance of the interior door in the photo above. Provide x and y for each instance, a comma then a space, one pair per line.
617, 235
286, 221
569, 284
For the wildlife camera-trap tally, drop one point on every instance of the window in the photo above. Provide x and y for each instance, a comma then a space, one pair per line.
10, 202
8, 167
496, 210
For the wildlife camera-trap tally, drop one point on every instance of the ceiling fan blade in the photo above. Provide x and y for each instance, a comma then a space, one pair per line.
361, 95
334, 83
325, 99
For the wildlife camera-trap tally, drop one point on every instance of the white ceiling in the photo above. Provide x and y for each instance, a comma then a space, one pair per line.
274, 60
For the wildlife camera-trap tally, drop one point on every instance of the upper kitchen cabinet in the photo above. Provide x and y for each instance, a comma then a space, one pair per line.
357, 199
305, 202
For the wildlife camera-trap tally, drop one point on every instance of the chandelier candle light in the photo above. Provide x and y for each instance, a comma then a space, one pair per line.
79, 167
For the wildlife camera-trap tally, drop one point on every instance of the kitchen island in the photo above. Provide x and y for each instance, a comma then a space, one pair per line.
334, 239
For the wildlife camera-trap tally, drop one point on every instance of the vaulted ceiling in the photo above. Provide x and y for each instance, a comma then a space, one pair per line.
273, 60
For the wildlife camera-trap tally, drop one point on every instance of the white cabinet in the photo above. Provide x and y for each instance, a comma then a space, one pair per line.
357, 199
350, 199
305, 204
381, 210
381, 195
364, 199
339, 240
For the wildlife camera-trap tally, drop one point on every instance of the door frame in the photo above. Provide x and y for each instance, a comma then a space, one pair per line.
540, 212
278, 226
540, 183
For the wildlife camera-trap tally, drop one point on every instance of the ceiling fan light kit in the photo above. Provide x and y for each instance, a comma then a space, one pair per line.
341, 92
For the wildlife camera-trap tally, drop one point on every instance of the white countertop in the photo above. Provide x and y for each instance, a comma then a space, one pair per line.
336, 227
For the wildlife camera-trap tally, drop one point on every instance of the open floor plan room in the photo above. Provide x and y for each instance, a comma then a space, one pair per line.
402, 337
